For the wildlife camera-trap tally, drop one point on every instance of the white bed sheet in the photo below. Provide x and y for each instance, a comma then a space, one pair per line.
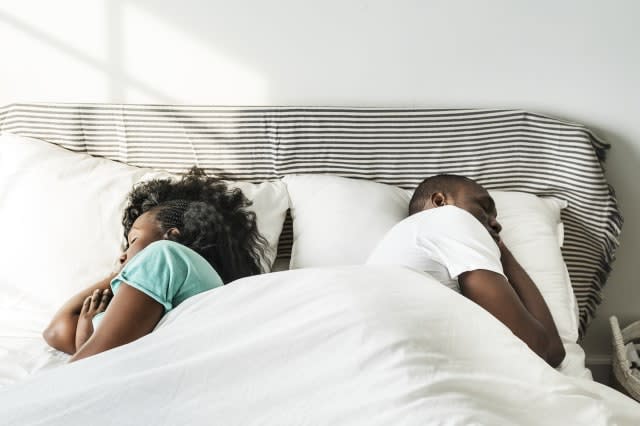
23, 352
350, 345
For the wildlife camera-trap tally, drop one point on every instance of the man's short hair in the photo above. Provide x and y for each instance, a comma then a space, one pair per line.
445, 183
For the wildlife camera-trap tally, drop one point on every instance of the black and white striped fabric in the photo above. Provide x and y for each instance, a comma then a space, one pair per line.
501, 149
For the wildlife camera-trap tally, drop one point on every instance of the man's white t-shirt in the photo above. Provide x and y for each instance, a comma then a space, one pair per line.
443, 242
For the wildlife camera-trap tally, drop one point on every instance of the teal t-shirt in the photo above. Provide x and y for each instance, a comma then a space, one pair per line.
168, 272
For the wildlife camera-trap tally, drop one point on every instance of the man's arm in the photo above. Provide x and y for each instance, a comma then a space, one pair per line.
533, 301
494, 293
131, 315
61, 331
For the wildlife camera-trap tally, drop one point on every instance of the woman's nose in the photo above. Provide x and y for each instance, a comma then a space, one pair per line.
123, 258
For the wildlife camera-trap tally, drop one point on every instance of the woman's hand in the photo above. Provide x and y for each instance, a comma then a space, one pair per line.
61, 331
92, 306
131, 315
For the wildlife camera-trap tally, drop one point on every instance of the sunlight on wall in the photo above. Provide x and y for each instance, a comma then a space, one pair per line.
116, 53
49, 55
170, 59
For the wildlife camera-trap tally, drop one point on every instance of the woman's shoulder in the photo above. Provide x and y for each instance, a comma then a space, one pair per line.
171, 249
166, 245
181, 258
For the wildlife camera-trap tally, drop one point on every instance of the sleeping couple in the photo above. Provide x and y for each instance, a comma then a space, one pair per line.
189, 236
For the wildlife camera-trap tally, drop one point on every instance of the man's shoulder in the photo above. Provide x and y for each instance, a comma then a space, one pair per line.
440, 215
447, 222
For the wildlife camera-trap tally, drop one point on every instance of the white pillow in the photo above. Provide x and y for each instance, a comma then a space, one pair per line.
533, 231
339, 221
61, 215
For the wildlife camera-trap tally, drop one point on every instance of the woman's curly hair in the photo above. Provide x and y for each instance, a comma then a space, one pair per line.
213, 220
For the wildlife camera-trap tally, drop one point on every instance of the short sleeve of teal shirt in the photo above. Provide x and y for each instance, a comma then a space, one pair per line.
169, 273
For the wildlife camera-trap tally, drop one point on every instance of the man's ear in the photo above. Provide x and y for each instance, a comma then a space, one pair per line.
171, 234
438, 199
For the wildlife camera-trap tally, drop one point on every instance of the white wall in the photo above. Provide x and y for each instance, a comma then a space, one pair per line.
577, 60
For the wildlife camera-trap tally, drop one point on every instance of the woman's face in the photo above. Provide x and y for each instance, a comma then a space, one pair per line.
144, 231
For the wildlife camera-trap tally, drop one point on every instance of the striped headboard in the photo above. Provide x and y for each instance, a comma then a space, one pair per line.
501, 149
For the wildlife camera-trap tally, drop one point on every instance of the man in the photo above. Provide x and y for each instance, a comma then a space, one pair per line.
452, 233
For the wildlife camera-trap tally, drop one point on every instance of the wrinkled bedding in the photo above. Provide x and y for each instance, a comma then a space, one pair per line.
349, 345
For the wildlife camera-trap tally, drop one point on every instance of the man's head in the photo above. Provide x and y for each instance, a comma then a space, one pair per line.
459, 191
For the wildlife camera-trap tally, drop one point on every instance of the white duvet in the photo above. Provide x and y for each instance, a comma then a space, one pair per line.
361, 345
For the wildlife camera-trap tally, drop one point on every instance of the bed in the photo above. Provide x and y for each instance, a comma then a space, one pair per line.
330, 340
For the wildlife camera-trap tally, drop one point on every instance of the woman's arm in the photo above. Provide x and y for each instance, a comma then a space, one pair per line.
131, 315
61, 331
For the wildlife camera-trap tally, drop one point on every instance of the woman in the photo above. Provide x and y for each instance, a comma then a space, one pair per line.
183, 237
